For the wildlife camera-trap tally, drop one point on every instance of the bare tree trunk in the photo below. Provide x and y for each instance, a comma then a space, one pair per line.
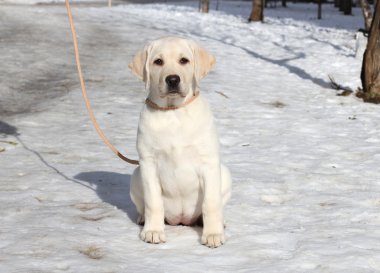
283, 3
205, 6
336, 3
257, 13
347, 7
370, 74
319, 9
367, 14
341, 5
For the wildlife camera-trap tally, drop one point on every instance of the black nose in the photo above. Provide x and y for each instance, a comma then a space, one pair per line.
173, 80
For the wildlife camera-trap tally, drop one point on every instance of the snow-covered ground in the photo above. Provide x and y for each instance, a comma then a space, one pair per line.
306, 185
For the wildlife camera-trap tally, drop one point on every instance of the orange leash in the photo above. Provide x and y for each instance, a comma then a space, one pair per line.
84, 93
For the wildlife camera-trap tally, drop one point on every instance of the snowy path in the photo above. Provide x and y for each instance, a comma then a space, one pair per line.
306, 192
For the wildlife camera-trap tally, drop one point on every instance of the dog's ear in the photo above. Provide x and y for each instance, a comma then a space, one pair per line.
139, 64
203, 61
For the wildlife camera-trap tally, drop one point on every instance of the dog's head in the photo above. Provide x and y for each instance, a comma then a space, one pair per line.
171, 69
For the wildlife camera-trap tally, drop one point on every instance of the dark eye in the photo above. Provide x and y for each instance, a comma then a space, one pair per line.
159, 62
183, 61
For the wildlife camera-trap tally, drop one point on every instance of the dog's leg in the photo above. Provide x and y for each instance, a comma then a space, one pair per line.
212, 208
226, 187
226, 184
153, 231
137, 195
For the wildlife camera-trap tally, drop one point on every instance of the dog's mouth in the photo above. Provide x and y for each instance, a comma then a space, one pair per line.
174, 92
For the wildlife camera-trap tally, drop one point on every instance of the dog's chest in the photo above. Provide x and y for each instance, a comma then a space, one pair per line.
174, 142
178, 170
176, 146
174, 139
170, 134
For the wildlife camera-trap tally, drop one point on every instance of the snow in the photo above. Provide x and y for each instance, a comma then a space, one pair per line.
304, 161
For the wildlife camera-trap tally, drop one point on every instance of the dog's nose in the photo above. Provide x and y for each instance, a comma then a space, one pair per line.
173, 80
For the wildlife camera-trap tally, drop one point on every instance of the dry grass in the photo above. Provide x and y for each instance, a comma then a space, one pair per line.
101, 213
39, 199
96, 217
87, 206
346, 91
278, 104
93, 252
9, 142
327, 204
222, 94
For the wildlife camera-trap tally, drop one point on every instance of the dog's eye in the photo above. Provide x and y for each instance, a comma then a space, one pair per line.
159, 62
183, 61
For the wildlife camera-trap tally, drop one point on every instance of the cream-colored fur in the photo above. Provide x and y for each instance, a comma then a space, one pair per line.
180, 177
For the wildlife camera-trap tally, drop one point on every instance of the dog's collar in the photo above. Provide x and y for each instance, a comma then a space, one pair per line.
153, 105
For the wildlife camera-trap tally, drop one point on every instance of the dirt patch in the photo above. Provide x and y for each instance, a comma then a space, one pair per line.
38, 62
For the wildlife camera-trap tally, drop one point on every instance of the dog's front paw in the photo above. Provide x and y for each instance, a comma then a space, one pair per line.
153, 236
213, 240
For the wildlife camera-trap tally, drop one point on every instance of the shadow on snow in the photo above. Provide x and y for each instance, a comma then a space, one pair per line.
112, 188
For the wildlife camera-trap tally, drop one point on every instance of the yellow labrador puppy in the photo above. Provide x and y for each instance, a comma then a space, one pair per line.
180, 179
